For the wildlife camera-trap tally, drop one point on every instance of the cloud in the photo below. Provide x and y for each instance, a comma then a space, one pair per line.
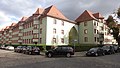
6, 20
13, 10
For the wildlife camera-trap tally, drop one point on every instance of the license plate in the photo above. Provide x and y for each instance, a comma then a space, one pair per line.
36, 51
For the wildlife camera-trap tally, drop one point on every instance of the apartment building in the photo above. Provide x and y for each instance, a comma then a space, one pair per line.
1, 36
46, 26
92, 29
50, 27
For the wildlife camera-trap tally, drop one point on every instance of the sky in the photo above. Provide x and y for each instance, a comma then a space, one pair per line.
11, 11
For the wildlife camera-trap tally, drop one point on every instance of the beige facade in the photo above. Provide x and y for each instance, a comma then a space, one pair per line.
92, 29
50, 27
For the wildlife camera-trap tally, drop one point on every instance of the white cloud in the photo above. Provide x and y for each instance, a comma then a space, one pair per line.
14, 10
6, 20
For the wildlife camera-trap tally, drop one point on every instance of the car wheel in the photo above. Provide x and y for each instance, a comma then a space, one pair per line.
68, 55
49, 55
23, 52
30, 53
96, 54
103, 54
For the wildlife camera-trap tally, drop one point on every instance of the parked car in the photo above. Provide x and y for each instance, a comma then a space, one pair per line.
3, 47
60, 50
108, 49
18, 49
95, 52
9, 48
32, 50
24, 49
116, 48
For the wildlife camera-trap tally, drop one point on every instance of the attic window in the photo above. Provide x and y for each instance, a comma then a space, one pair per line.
85, 23
63, 23
55, 22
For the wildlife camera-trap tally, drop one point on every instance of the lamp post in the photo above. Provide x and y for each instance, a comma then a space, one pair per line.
74, 43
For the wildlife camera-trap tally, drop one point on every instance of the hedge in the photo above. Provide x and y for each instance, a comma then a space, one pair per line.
43, 47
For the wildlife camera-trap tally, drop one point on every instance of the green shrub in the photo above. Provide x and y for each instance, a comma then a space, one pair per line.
83, 47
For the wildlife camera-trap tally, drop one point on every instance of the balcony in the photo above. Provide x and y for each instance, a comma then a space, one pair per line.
35, 40
101, 32
10, 41
10, 36
19, 40
20, 34
36, 22
20, 27
10, 31
35, 31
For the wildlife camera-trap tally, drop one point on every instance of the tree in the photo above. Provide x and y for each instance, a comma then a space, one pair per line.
118, 13
112, 24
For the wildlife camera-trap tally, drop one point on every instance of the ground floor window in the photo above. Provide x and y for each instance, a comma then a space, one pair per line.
86, 39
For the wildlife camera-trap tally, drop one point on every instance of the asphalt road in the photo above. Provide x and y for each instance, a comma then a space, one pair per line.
10, 59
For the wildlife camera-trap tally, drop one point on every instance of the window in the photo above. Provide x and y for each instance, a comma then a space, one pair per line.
40, 30
85, 31
62, 31
54, 30
40, 21
86, 39
30, 24
55, 22
40, 40
54, 40
35, 27
97, 24
102, 28
94, 23
95, 31
30, 33
62, 40
29, 41
85, 23
35, 35
63, 23
95, 39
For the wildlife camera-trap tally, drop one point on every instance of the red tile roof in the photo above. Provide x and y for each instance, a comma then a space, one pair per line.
54, 12
23, 18
98, 16
13, 24
2, 29
87, 15
38, 11
7, 27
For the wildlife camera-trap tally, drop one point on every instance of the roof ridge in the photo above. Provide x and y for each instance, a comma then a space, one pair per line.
91, 14
23, 18
39, 11
54, 12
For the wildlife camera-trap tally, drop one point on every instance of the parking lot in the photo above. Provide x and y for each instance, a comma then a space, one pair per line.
10, 59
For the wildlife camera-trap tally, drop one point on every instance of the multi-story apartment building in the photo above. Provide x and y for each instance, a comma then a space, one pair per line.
1, 36
50, 27
92, 28
46, 26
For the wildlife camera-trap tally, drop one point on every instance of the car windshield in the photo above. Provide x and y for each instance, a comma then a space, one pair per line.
93, 49
105, 47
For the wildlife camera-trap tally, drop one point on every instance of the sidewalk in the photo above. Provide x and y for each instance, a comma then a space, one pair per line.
80, 53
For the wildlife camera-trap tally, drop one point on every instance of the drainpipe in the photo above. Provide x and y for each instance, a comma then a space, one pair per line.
78, 33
